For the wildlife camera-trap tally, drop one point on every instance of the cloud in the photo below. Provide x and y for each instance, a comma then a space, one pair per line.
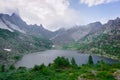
96, 2
53, 14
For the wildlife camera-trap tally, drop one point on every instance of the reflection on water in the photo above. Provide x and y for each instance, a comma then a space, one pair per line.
48, 56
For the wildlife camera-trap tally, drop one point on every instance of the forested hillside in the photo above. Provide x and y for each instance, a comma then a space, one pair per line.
105, 40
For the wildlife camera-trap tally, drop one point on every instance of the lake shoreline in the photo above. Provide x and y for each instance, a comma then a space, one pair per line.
48, 57
103, 55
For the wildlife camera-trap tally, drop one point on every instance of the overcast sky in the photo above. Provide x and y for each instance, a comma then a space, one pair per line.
54, 14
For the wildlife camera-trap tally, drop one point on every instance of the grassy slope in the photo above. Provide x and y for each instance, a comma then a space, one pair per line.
20, 44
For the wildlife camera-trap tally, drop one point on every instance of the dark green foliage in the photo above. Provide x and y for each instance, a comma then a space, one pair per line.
73, 63
3, 68
6, 34
17, 57
37, 67
42, 72
105, 75
12, 67
90, 60
61, 62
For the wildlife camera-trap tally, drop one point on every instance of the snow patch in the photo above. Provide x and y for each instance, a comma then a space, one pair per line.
53, 46
7, 49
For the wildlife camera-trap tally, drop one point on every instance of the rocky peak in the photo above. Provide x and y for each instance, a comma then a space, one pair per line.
113, 23
95, 24
15, 15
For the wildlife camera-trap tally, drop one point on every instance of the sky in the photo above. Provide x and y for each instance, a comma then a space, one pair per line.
55, 14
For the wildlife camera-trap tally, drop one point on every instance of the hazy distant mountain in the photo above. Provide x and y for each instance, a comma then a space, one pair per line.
76, 33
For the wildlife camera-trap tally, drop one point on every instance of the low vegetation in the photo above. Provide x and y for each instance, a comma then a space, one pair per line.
62, 69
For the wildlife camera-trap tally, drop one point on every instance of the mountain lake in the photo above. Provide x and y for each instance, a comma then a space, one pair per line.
48, 56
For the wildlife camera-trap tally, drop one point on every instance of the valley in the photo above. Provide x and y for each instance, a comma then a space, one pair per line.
95, 38
25, 46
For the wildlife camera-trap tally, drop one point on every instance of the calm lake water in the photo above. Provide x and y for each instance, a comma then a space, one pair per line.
48, 56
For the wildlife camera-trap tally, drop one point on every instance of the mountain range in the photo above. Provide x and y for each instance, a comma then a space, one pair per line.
15, 23
17, 37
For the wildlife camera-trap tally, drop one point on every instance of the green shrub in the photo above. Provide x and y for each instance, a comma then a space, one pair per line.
90, 60
12, 67
105, 75
61, 62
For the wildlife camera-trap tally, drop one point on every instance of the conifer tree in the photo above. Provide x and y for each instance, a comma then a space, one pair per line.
90, 60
